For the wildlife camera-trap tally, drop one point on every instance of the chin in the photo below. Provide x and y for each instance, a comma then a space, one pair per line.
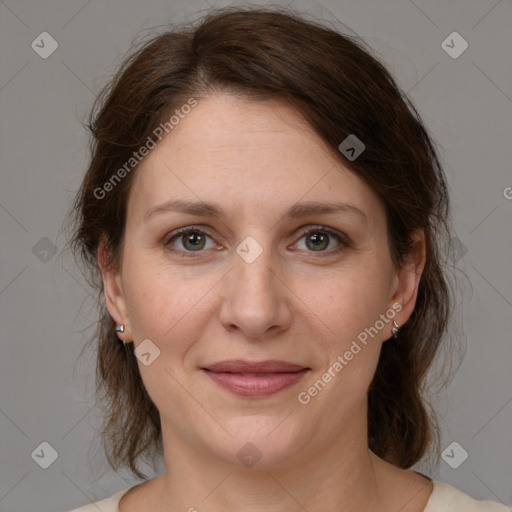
259, 441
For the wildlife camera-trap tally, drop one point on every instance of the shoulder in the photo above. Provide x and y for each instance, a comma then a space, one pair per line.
106, 505
446, 498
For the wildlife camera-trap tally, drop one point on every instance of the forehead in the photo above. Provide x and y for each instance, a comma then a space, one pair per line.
243, 152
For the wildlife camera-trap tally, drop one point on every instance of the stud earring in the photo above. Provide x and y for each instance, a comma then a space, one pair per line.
119, 327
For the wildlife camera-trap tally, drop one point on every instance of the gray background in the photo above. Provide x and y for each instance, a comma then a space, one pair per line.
47, 393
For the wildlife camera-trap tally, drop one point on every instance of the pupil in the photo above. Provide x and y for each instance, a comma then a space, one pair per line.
195, 240
318, 240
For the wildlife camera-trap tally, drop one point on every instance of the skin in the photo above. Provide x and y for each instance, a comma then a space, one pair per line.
255, 160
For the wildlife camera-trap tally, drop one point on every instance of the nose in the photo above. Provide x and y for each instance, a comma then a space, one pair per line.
256, 300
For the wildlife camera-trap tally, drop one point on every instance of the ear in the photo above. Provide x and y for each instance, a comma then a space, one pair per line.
113, 291
408, 278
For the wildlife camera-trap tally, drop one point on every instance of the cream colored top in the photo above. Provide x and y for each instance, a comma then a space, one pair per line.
444, 498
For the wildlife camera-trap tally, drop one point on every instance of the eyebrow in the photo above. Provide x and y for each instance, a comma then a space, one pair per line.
297, 211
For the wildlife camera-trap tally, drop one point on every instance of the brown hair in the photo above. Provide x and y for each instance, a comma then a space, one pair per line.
340, 89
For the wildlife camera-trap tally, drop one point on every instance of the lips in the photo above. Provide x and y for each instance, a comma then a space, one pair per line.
255, 379
241, 366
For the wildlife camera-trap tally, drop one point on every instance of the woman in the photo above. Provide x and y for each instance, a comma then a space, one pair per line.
262, 214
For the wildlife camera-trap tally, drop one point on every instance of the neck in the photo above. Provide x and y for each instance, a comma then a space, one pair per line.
332, 475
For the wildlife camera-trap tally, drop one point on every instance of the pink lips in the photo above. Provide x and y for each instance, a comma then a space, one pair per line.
253, 379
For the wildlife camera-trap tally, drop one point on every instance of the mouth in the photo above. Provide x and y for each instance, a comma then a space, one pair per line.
253, 379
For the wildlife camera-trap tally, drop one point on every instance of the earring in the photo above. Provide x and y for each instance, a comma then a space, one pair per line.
119, 327
395, 329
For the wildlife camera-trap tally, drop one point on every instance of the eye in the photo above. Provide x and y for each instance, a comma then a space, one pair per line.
189, 240
322, 240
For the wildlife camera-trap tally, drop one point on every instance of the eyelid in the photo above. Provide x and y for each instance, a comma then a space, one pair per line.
177, 233
185, 229
332, 231
341, 237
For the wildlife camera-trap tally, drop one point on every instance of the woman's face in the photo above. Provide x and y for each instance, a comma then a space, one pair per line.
285, 258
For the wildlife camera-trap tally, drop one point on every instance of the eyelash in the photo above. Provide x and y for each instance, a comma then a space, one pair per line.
343, 240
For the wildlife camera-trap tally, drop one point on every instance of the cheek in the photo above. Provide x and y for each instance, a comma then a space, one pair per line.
349, 349
350, 303
161, 301
347, 311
